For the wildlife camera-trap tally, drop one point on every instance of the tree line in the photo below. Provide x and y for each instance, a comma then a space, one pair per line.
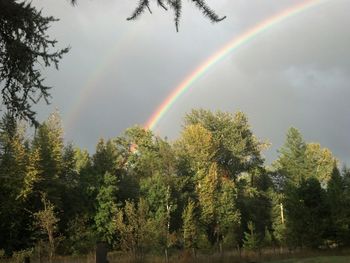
210, 190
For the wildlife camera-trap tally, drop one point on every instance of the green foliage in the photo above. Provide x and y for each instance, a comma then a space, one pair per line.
15, 172
267, 241
319, 162
217, 198
306, 211
228, 213
47, 222
338, 198
291, 161
142, 194
80, 237
104, 157
48, 142
299, 160
208, 195
107, 209
278, 218
134, 225
237, 149
251, 239
197, 143
190, 226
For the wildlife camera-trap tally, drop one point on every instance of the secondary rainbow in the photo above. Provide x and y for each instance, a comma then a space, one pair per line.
231, 46
87, 90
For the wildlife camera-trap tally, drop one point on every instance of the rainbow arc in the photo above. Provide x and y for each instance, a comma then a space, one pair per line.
231, 46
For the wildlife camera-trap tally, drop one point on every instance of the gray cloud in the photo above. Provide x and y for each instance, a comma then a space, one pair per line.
296, 74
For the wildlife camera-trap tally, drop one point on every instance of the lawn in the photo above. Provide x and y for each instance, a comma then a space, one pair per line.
326, 259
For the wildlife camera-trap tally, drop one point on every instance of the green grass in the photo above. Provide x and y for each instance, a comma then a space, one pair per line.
325, 259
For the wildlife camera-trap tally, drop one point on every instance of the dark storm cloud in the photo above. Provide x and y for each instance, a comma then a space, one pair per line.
296, 74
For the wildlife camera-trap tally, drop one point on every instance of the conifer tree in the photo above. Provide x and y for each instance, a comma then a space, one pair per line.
251, 239
229, 216
338, 226
13, 173
107, 205
267, 241
291, 161
48, 143
32, 175
307, 214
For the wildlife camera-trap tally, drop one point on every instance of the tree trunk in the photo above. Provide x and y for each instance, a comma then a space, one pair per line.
166, 256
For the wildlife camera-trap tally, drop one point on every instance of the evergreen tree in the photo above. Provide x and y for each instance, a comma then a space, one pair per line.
267, 241
228, 214
107, 209
338, 203
291, 160
14, 169
307, 214
251, 239
253, 201
104, 159
48, 142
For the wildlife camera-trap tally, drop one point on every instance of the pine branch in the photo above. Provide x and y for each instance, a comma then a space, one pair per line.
161, 4
24, 47
177, 6
207, 11
140, 9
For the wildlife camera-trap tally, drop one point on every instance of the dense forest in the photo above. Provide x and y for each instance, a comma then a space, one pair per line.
208, 190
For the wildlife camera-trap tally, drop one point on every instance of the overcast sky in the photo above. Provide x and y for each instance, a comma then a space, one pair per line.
118, 72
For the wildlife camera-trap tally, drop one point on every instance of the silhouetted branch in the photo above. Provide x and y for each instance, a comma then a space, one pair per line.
140, 9
207, 11
161, 4
176, 5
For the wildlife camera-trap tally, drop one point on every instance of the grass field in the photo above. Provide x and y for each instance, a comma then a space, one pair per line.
325, 259
302, 256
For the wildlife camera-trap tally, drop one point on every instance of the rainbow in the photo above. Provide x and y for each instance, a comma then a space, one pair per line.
231, 46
